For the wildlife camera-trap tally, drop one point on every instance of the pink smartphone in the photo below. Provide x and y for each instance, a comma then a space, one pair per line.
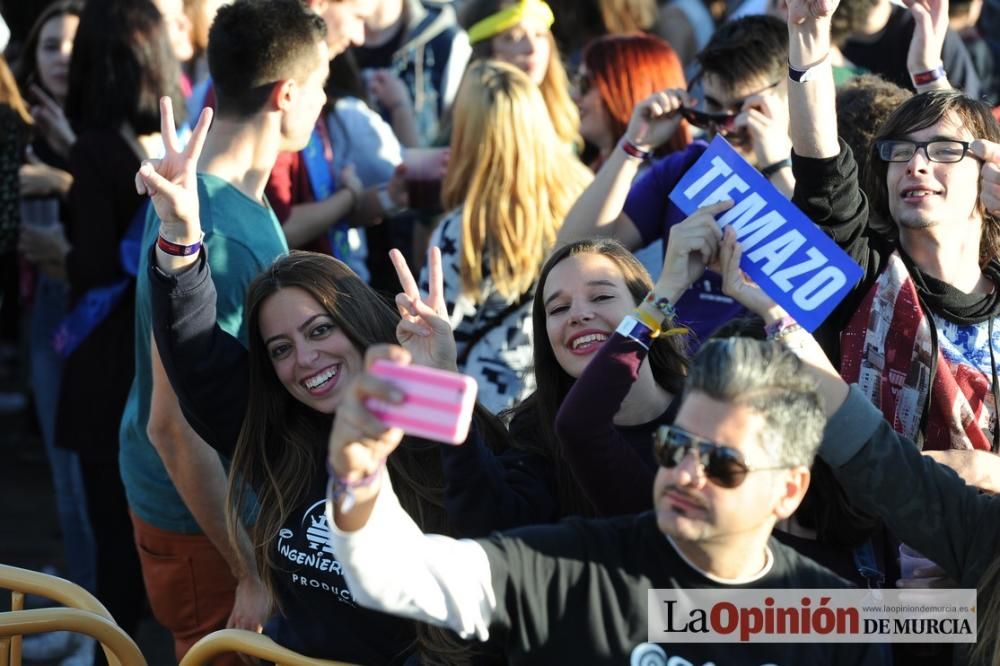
437, 404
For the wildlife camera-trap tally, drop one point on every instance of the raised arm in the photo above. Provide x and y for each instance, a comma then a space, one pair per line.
923, 59
185, 326
924, 504
812, 99
388, 563
484, 492
599, 210
613, 475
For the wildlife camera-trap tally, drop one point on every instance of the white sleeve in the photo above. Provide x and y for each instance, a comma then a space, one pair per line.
461, 51
393, 567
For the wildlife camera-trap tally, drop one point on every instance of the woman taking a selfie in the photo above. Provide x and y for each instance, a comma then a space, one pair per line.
270, 407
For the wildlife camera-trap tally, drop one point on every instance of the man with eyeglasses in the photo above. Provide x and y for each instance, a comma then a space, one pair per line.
920, 333
740, 94
734, 463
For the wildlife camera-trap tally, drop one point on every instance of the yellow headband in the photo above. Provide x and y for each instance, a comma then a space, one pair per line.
506, 19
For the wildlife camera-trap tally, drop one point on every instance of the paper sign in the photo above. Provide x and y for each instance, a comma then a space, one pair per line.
791, 259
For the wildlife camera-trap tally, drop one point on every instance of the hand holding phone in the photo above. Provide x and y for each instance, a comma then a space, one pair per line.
437, 405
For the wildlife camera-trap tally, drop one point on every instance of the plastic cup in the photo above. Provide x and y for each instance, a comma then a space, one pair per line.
424, 172
39, 212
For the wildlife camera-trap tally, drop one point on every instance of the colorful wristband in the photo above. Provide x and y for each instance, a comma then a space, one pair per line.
177, 250
782, 328
630, 327
633, 150
930, 76
342, 490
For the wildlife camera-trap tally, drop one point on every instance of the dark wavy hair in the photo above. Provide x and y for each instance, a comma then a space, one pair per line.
920, 112
282, 446
533, 421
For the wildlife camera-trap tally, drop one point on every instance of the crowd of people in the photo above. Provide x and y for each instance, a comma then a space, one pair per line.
216, 215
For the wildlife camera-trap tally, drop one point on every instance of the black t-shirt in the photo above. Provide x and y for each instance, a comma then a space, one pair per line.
576, 594
327, 623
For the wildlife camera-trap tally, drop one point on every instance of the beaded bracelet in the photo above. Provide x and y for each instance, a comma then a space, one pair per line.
342, 489
662, 304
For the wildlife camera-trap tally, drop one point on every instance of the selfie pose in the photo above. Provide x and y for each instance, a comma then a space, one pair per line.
269, 407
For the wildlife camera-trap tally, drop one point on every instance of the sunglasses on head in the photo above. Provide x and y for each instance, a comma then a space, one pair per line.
723, 465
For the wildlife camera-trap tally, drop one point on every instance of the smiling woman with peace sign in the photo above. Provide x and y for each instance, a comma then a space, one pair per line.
269, 407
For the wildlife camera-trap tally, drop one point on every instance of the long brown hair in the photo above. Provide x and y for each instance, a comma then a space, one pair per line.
282, 446
509, 176
537, 413
26, 67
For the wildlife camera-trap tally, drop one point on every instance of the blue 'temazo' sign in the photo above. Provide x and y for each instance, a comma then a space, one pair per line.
791, 259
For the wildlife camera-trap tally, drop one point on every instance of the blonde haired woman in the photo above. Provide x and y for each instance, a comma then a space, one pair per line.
509, 185
519, 33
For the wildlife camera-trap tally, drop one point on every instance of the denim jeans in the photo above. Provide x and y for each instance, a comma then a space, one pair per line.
46, 373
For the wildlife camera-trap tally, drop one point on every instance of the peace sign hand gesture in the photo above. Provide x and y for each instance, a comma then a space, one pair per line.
172, 182
424, 329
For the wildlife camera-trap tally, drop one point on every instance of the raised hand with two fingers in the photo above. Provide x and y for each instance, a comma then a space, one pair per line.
930, 27
172, 182
424, 329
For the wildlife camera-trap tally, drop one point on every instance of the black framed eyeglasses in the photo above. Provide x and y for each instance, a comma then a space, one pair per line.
723, 465
939, 150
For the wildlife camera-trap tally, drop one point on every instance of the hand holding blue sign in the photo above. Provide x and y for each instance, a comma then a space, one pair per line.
693, 245
738, 286
794, 262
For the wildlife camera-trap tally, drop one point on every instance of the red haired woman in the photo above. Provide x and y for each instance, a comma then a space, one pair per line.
616, 73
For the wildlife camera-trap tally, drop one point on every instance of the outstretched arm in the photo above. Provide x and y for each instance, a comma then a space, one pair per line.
812, 104
599, 210
388, 563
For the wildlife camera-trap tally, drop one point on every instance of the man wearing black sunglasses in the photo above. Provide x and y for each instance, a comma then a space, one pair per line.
735, 462
740, 94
